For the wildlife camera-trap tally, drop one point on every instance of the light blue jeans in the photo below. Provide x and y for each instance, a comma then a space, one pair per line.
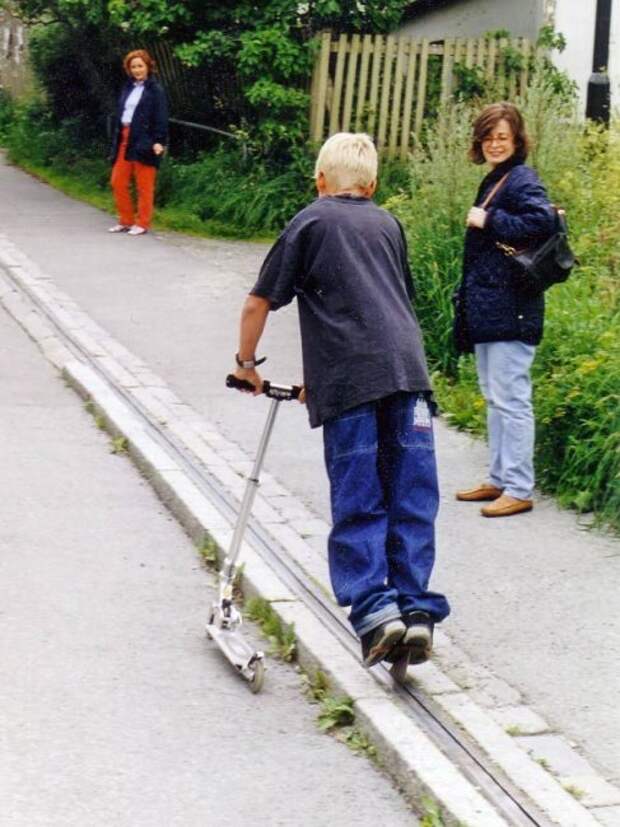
504, 378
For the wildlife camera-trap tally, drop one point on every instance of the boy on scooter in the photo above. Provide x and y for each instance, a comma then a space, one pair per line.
366, 382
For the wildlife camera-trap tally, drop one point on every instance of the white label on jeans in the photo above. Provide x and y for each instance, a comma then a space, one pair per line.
421, 416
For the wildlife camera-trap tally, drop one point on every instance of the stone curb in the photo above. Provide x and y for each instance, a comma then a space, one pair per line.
412, 758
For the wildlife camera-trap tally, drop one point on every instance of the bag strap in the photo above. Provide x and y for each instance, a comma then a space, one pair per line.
494, 191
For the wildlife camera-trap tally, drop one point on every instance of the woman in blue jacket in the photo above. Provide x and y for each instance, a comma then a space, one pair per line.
139, 141
495, 317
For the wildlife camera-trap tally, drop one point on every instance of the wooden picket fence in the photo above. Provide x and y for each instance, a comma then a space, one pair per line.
380, 85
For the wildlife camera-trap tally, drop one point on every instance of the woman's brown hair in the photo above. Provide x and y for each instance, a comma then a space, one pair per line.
143, 55
486, 122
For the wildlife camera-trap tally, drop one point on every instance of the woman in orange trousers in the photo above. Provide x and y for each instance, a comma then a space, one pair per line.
139, 141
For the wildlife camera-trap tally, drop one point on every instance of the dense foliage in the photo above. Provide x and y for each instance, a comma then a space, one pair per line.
266, 46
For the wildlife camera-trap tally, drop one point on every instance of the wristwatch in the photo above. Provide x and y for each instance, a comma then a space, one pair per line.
249, 364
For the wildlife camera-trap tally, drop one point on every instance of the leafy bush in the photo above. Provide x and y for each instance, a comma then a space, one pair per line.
36, 140
260, 53
79, 83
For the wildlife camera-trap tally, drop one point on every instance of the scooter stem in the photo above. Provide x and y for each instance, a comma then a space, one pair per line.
228, 569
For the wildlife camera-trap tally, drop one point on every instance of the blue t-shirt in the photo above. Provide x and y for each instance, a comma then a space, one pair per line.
345, 259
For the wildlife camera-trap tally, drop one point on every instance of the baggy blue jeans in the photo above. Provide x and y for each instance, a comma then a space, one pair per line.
380, 459
504, 378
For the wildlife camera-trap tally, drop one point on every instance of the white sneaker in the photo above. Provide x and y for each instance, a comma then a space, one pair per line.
119, 228
136, 230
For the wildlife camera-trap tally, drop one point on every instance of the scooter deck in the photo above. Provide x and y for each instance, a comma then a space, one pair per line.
236, 649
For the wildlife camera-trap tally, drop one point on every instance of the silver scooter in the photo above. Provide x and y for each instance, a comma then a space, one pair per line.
224, 618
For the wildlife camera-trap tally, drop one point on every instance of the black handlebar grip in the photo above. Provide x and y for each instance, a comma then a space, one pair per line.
281, 392
240, 384
270, 389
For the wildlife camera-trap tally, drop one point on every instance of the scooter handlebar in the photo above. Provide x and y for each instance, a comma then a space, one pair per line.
270, 389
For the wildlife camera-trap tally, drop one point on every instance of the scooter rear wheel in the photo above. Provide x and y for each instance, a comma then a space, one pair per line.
399, 669
209, 623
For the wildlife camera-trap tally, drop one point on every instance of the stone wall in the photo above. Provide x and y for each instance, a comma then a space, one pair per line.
15, 75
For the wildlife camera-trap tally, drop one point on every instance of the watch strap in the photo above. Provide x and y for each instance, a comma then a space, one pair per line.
249, 364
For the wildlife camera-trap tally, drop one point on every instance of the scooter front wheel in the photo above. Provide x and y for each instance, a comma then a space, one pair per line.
258, 676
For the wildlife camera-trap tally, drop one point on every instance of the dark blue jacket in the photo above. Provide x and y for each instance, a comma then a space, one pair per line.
149, 124
490, 305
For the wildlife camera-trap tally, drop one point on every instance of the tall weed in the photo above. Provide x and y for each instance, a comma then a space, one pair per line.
441, 189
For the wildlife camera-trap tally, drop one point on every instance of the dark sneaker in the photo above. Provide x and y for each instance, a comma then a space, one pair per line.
418, 639
379, 642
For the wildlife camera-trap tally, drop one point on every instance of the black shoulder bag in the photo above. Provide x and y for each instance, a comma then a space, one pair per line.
546, 264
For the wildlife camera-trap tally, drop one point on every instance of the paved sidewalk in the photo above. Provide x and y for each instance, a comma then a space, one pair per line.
531, 596
114, 709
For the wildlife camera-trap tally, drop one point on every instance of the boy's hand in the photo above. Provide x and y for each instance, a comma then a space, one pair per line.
302, 395
250, 375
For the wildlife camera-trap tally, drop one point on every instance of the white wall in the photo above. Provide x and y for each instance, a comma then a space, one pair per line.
15, 75
614, 56
472, 18
575, 20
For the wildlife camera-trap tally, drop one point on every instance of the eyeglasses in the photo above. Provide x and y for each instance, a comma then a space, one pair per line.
497, 139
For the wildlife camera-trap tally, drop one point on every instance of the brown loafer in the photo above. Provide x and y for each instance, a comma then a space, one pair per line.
506, 505
480, 493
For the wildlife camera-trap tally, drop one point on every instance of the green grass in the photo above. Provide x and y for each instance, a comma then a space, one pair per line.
432, 816
576, 792
209, 552
119, 445
280, 635
335, 713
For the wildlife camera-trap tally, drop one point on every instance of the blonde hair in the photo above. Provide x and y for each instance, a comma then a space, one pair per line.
348, 160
